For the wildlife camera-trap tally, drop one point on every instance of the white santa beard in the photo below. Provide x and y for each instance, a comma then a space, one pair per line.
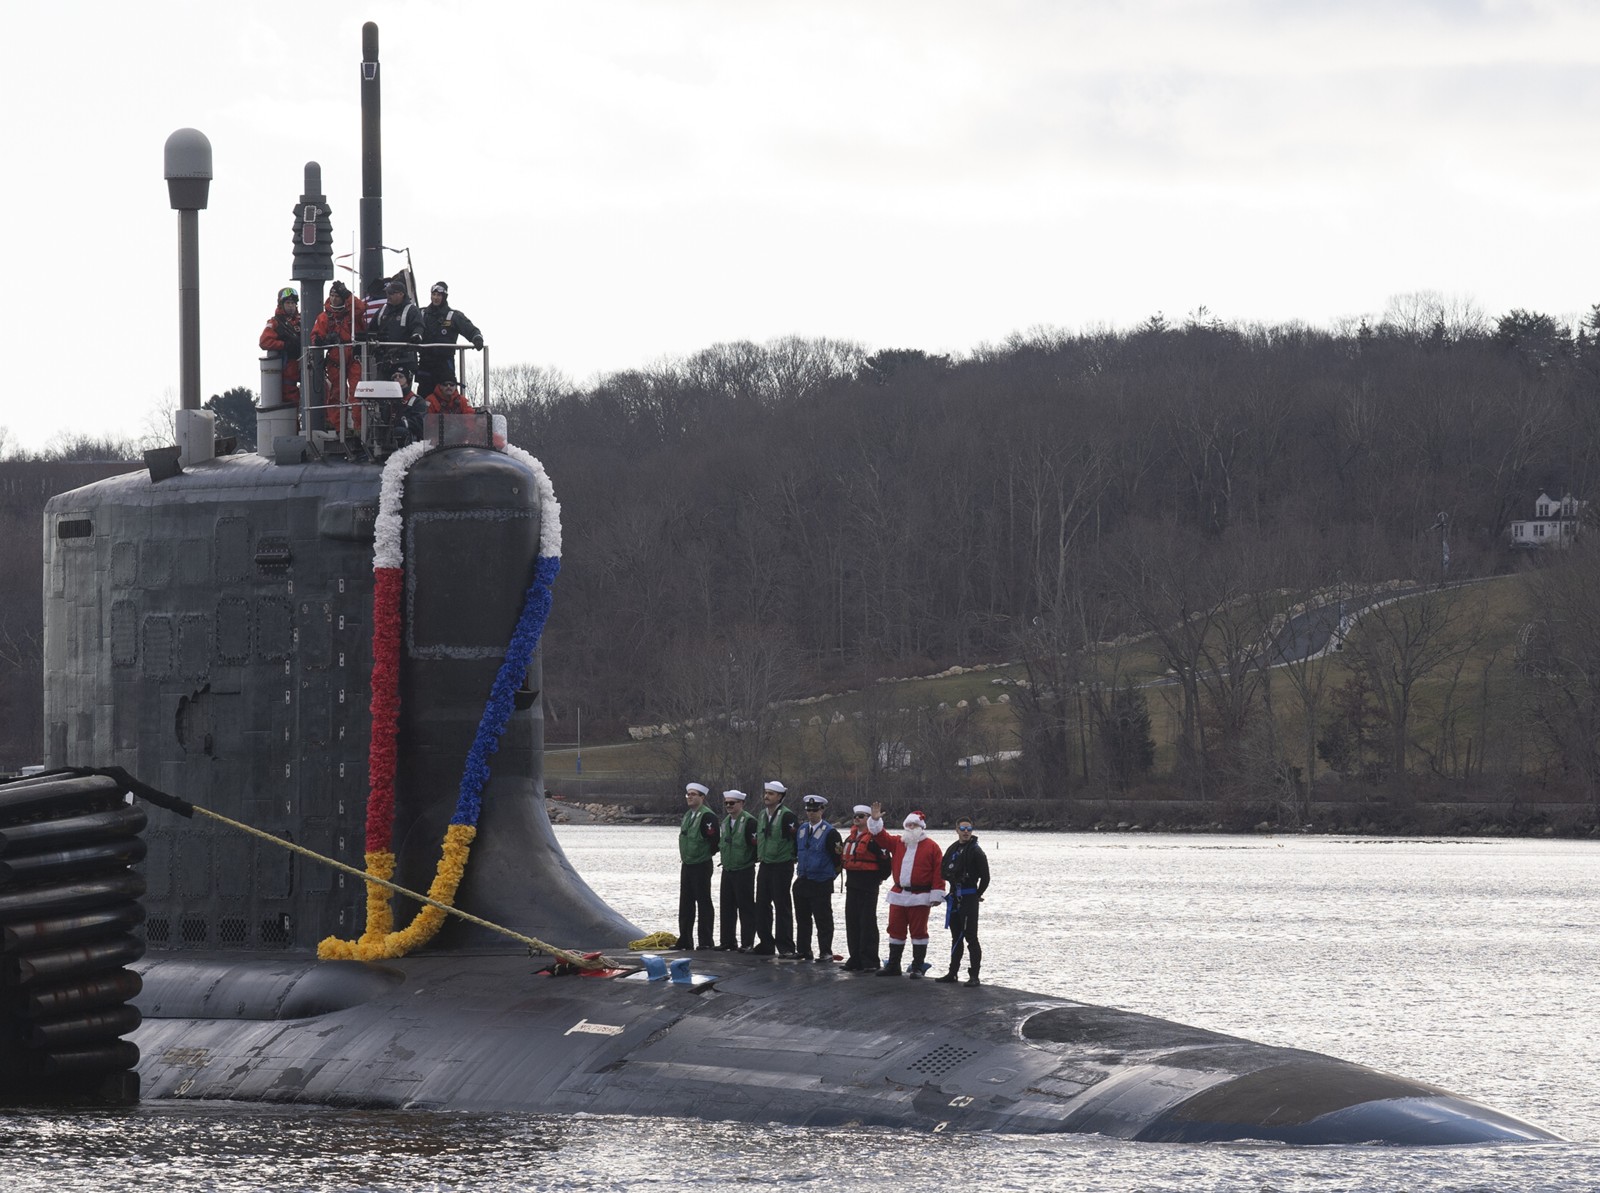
908, 862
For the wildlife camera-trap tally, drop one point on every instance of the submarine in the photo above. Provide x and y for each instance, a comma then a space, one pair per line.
334, 643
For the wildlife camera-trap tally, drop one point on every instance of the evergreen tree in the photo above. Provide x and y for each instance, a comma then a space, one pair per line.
236, 415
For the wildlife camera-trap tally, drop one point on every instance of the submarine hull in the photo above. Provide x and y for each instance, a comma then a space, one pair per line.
758, 1041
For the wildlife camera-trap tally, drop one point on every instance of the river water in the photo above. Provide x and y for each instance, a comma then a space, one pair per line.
1467, 963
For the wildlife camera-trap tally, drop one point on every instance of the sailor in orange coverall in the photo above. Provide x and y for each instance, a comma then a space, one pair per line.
918, 885
446, 398
340, 322
282, 336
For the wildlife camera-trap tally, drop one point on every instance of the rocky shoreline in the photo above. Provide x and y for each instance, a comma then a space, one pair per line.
563, 811
648, 812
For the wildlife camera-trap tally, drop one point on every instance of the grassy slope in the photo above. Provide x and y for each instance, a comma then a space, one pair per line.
1482, 700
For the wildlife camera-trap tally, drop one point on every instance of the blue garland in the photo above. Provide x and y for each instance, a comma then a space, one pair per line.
530, 627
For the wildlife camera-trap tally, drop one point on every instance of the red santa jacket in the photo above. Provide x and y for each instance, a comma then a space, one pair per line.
916, 876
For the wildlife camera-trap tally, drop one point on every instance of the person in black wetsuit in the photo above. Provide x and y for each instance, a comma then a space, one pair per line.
966, 869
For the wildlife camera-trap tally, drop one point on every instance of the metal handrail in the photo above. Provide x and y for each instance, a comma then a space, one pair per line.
364, 347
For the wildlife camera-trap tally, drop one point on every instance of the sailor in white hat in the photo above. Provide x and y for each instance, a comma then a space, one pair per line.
775, 833
738, 889
867, 851
697, 845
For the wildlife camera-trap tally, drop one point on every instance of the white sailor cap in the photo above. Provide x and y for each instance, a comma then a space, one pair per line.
774, 785
699, 787
814, 801
862, 810
729, 797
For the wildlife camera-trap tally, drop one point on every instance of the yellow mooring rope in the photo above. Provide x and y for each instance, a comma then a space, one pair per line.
185, 807
533, 942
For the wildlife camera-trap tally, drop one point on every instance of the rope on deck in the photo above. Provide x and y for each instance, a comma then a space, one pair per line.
185, 807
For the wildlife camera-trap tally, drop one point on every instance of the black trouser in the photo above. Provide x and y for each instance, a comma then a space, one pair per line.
964, 928
813, 901
694, 893
861, 916
774, 910
433, 366
738, 907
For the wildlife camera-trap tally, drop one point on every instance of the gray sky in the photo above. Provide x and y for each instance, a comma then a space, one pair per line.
605, 185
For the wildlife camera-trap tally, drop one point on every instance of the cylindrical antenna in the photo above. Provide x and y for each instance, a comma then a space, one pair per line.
371, 165
187, 159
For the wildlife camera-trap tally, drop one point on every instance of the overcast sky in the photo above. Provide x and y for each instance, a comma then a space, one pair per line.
605, 185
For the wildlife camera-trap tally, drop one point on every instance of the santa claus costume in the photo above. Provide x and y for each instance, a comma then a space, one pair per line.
918, 885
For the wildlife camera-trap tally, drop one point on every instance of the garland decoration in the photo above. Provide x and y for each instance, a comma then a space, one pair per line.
379, 940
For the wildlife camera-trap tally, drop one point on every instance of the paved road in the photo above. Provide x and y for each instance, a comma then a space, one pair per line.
1307, 635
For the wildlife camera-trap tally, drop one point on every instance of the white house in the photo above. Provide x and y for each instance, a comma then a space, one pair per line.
1554, 524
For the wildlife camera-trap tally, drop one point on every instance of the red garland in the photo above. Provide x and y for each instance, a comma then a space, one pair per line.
385, 708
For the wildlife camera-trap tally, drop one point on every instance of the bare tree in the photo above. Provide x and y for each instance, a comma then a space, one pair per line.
883, 731
1560, 659
1401, 641
1430, 314
1066, 673
1193, 596
741, 679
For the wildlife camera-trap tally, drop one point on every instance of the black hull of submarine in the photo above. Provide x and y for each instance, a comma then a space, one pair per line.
210, 633
763, 1042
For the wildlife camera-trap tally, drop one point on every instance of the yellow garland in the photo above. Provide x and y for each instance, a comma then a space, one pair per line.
377, 943
380, 914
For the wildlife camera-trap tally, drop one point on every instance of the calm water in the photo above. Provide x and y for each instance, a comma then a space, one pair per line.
1470, 964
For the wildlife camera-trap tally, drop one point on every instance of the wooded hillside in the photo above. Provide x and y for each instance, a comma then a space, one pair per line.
758, 522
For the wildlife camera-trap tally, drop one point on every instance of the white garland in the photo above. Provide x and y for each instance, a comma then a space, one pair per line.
387, 549
549, 507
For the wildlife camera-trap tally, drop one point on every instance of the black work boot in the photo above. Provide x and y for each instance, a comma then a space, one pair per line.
972, 976
949, 977
919, 961
891, 967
